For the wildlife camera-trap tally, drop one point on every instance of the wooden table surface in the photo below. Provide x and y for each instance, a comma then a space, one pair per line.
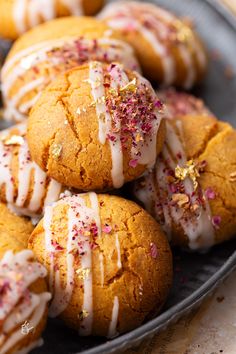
231, 4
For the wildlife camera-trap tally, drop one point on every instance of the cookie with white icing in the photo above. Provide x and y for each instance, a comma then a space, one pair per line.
169, 50
109, 264
179, 104
18, 16
99, 126
50, 49
191, 189
24, 297
24, 187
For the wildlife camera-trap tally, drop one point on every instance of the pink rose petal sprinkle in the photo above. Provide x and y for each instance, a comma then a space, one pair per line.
153, 250
216, 220
133, 163
210, 194
107, 229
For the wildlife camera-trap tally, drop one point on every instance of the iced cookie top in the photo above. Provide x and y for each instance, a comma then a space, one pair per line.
18, 304
38, 65
173, 40
103, 106
23, 185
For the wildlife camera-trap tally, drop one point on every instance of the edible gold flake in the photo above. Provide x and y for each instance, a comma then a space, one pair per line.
131, 86
101, 100
102, 117
232, 177
96, 83
184, 33
56, 151
181, 199
195, 207
83, 273
94, 64
113, 92
89, 81
190, 170
83, 314
14, 140
92, 104
138, 138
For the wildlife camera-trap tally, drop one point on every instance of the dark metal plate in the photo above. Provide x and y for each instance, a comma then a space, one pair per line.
196, 275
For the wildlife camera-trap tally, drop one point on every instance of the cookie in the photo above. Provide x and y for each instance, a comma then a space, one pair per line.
191, 189
41, 54
24, 296
23, 185
19, 16
168, 48
13, 227
109, 264
99, 126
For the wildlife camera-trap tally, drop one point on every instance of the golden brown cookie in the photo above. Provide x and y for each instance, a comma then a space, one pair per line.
14, 230
169, 50
99, 126
41, 54
24, 296
110, 265
191, 190
23, 185
19, 16
180, 103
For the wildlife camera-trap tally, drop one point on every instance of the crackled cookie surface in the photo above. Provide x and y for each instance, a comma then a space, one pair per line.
24, 296
109, 263
191, 189
99, 126
23, 185
15, 228
18, 16
169, 50
50, 49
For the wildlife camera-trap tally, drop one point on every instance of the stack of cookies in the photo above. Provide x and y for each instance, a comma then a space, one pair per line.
85, 121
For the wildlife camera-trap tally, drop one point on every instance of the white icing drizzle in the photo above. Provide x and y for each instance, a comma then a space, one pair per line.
43, 193
167, 60
101, 261
107, 49
119, 265
198, 228
79, 215
133, 16
96, 77
112, 332
95, 206
18, 303
75, 7
147, 149
32, 11
10, 111
19, 15
44, 9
